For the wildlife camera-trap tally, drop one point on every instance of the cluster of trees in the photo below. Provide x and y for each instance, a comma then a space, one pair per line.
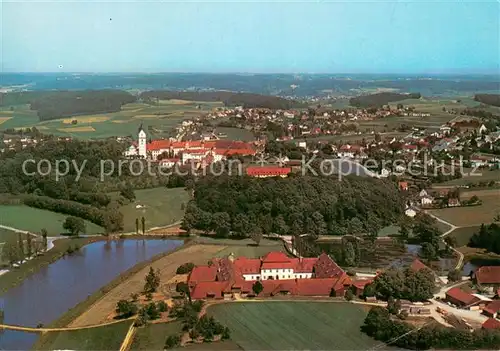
379, 325
380, 99
185, 268
488, 99
428, 234
110, 218
247, 100
403, 284
205, 327
15, 251
488, 237
240, 206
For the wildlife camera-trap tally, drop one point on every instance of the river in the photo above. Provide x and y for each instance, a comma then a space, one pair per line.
51, 291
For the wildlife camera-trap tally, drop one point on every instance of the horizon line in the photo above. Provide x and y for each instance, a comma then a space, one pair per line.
254, 73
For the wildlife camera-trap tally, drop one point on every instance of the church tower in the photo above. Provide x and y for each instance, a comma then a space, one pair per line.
142, 142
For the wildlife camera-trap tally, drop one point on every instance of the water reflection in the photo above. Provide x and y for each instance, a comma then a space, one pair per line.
54, 289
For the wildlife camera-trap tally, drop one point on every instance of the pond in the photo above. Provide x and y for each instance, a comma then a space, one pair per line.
49, 293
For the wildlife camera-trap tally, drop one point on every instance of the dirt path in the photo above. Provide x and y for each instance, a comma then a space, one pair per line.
127, 342
452, 228
45, 330
103, 308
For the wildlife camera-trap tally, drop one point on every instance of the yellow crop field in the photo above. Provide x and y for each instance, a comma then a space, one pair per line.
87, 119
4, 119
176, 102
119, 121
77, 129
6, 112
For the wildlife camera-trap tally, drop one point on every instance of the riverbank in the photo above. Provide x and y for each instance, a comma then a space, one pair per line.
103, 305
15, 276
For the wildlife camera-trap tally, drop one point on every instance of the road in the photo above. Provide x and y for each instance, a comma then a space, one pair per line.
50, 239
44, 330
452, 228
127, 342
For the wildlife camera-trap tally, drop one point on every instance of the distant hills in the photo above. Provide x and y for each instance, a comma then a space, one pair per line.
300, 85
488, 99
380, 99
57, 104
247, 100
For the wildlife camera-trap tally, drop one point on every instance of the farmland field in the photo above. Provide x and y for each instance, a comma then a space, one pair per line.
294, 325
162, 117
244, 247
102, 338
484, 175
474, 215
34, 219
7, 235
162, 206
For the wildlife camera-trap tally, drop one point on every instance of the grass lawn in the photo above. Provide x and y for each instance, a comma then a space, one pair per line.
7, 235
34, 219
473, 215
153, 336
162, 206
464, 234
236, 133
104, 338
294, 325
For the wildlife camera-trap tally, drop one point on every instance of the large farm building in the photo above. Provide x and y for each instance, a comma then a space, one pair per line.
278, 274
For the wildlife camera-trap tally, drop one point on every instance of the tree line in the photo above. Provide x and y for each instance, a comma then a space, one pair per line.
380, 99
488, 237
240, 206
381, 326
57, 104
247, 100
488, 99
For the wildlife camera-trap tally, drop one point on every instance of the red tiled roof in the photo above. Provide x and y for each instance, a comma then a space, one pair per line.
493, 307
278, 265
360, 284
325, 267
306, 265
491, 323
488, 275
460, 295
275, 256
210, 289
268, 170
417, 265
247, 265
202, 274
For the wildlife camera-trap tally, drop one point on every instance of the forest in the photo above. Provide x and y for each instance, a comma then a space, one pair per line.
247, 100
240, 206
488, 99
488, 237
380, 99
57, 104
85, 197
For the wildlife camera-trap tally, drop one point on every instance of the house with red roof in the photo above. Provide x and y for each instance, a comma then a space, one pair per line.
278, 274
492, 309
268, 171
487, 276
491, 323
461, 298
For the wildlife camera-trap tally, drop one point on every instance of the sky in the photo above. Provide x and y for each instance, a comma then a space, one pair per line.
255, 37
